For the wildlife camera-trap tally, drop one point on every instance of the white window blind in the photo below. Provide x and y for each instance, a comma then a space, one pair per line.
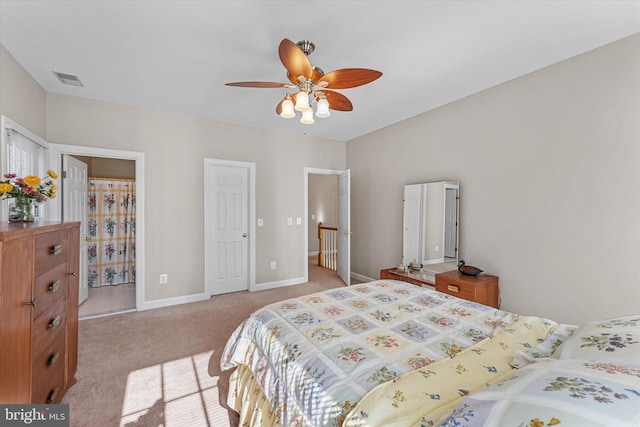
24, 155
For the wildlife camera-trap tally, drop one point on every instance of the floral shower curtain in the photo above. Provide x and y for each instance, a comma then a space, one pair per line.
112, 230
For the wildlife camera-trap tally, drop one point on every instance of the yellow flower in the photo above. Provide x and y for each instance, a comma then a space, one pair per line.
31, 180
5, 188
52, 174
54, 188
536, 423
554, 421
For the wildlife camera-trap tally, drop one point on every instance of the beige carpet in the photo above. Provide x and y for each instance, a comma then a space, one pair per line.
161, 367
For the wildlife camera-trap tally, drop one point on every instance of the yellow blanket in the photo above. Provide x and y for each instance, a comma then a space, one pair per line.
422, 396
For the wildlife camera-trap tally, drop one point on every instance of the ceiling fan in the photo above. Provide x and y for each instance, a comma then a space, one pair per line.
312, 83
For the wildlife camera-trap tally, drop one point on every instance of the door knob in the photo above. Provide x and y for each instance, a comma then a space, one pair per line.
244, 234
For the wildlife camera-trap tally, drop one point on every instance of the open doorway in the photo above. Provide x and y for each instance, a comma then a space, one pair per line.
327, 192
323, 222
111, 229
118, 167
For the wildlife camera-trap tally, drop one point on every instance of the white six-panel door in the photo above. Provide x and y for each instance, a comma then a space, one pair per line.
344, 226
74, 208
227, 228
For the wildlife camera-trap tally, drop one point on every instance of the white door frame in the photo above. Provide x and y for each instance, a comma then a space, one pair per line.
55, 154
307, 172
251, 219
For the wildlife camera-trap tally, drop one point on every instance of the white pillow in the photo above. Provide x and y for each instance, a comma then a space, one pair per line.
614, 340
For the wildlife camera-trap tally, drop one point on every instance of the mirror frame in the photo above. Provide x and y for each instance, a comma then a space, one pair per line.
415, 225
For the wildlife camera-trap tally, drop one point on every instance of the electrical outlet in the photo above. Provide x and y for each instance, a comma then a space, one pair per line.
260, 222
289, 221
437, 248
273, 265
299, 221
164, 279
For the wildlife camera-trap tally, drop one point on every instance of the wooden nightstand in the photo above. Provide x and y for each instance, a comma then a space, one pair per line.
413, 278
482, 288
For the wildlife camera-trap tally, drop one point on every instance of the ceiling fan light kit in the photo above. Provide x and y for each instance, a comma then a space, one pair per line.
323, 107
287, 108
302, 101
312, 83
307, 117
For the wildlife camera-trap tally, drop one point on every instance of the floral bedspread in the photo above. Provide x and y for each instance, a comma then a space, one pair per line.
421, 397
322, 353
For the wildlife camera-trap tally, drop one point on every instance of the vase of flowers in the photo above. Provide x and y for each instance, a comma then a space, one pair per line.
27, 193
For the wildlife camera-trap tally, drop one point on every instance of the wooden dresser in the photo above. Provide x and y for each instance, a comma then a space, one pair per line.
482, 288
38, 310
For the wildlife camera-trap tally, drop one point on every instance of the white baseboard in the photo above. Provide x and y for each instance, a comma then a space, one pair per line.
166, 302
133, 310
278, 284
361, 277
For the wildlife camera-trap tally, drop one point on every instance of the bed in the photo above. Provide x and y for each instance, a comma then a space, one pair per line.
390, 353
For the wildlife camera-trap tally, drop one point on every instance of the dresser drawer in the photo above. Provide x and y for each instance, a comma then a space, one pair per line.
460, 290
482, 289
48, 363
49, 389
49, 287
51, 324
51, 250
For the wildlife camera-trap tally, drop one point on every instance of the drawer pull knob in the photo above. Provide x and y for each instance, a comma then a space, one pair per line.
52, 395
73, 273
453, 288
53, 359
33, 302
56, 250
54, 322
55, 286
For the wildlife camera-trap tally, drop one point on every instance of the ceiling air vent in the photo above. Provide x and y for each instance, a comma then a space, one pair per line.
68, 79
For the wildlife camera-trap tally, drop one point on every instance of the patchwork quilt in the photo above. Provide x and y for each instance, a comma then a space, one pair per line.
322, 353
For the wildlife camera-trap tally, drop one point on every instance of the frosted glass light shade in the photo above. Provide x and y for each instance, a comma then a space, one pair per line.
287, 109
323, 108
307, 117
302, 101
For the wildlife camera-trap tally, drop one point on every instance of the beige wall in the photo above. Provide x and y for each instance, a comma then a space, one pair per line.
102, 167
112, 168
323, 204
175, 147
549, 170
22, 99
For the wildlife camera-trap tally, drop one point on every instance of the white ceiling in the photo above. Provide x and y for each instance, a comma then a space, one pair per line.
177, 55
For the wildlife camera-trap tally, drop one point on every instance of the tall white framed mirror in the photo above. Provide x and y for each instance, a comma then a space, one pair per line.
431, 213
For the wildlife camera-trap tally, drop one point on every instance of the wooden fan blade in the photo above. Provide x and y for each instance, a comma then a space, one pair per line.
294, 60
338, 101
259, 84
279, 107
350, 77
